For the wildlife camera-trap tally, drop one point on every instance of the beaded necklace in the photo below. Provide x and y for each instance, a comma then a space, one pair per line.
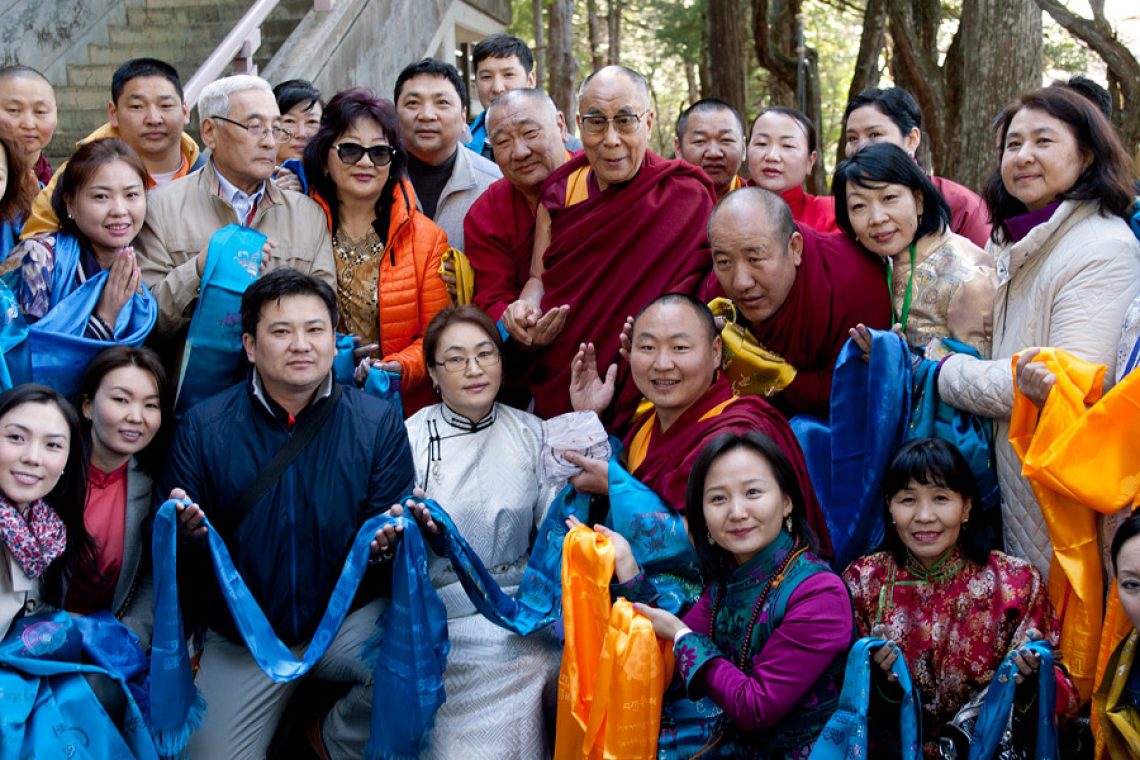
773, 583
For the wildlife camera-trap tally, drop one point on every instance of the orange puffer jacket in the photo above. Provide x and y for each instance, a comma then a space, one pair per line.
410, 292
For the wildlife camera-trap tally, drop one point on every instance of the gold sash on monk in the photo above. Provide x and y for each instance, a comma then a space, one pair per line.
614, 669
464, 275
753, 369
1076, 583
1120, 725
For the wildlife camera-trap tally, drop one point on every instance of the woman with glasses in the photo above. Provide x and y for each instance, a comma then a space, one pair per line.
481, 461
387, 252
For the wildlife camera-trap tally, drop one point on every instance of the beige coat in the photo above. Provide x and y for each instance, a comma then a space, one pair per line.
182, 217
1067, 284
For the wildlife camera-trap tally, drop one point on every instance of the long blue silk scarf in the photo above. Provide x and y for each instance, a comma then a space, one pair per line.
9, 237
15, 360
213, 350
998, 704
47, 709
870, 403
931, 417
845, 736
59, 349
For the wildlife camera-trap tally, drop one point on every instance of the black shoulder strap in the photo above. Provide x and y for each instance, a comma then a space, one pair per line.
308, 427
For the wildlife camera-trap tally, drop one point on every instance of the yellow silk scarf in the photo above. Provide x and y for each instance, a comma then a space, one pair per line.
753, 369
1072, 482
464, 275
614, 670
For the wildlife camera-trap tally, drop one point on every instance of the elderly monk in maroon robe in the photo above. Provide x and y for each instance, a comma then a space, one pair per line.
617, 226
798, 291
675, 355
524, 129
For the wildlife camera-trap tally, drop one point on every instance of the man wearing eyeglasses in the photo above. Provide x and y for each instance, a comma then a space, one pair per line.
241, 126
617, 226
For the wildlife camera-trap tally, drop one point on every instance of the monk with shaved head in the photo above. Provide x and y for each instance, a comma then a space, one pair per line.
797, 290
617, 226
524, 129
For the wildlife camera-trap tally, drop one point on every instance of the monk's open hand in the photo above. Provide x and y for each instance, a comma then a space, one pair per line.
626, 338
665, 624
191, 518
549, 326
886, 655
594, 477
588, 391
1034, 379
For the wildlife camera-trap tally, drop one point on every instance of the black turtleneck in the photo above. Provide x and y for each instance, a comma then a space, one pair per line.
428, 180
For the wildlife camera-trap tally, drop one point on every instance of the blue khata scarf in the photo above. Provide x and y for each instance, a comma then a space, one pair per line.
15, 361
58, 347
47, 708
213, 352
409, 653
846, 459
998, 705
845, 737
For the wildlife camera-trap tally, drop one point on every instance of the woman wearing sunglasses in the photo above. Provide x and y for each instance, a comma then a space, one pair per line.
387, 252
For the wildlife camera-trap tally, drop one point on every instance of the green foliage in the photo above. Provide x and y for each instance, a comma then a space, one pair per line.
1063, 52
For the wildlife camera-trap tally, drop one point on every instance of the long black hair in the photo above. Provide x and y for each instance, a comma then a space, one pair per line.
69, 496
934, 462
716, 563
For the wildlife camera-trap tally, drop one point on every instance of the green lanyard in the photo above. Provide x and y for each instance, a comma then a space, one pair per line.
895, 317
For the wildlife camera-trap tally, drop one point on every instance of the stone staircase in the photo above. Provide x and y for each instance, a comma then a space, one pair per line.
181, 32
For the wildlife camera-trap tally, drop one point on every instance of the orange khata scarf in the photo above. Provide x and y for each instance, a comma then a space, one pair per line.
614, 670
1080, 462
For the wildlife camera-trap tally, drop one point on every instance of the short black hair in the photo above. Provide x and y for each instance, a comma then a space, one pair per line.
895, 103
1128, 530
703, 312
144, 67
435, 68
887, 163
277, 285
934, 462
1082, 85
293, 91
503, 46
716, 563
706, 104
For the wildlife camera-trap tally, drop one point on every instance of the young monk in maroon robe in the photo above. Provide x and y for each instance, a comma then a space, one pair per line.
524, 128
798, 290
675, 355
616, 227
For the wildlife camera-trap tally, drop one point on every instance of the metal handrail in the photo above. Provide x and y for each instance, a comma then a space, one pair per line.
238, 48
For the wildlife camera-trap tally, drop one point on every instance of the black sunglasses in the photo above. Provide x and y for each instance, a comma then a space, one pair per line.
351, 153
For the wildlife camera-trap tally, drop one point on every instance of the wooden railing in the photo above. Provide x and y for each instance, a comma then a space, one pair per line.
238, 47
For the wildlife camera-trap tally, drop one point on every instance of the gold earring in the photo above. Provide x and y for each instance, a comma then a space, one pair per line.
788, 523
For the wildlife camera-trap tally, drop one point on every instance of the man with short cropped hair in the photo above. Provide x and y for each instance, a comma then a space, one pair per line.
148, 113
710, 135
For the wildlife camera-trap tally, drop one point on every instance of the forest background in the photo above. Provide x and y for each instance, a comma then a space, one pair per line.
964, 60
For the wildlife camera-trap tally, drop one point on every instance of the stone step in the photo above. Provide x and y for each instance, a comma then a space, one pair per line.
187, 60
183, 16
100, 74
170, 37
243, 4
72, 98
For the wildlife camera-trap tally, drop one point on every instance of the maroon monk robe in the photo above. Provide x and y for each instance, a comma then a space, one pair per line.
498, 238
663, 461
609, 256
837, 286
969, 216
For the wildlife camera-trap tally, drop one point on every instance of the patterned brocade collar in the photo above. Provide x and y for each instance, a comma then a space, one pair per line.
458, 421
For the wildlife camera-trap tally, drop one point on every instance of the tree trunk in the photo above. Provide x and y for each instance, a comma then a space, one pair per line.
728, 46
867, 61
594, 25
984, 73
614, 23
562, 63
1123, 67
692, 83
539, 46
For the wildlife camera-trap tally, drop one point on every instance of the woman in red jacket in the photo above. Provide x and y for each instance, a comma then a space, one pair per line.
387, 252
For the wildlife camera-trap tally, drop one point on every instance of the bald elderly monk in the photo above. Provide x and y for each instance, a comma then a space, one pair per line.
675, 356
710, 134
798, 291
524, 128
617, 226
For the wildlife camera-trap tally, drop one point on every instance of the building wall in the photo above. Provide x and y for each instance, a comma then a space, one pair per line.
45, 34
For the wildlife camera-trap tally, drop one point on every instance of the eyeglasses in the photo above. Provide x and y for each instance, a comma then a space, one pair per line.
351, 153
457, 364
259, 130
625, 123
